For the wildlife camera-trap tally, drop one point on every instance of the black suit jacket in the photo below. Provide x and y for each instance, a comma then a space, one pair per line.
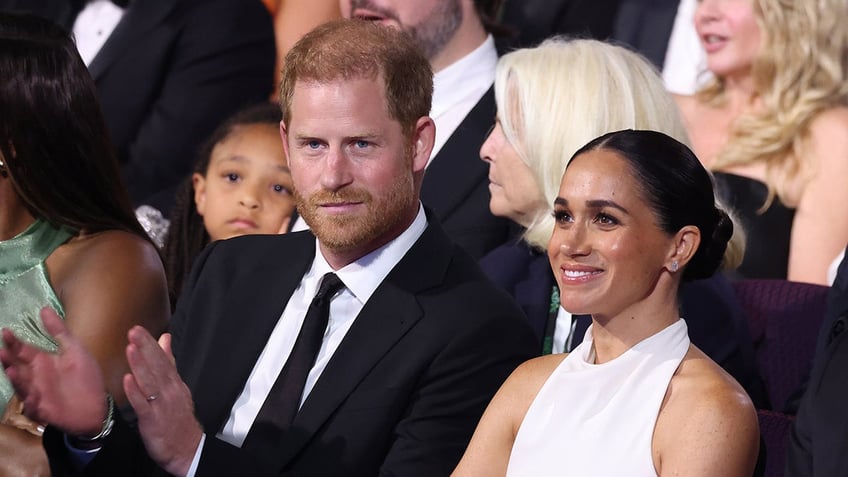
532, 21
819, 439
456, 185
170, 72
646, 26
401, 395
716, 322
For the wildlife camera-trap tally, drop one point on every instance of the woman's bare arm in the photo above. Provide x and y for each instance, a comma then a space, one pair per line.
488, 452
107, 283
820, 227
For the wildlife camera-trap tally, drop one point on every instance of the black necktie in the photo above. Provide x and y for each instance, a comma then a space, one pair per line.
281, 405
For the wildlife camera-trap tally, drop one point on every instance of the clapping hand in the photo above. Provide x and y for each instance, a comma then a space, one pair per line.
162, 402
64, 389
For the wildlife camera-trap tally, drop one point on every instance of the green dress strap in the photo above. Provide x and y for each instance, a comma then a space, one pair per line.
25, 288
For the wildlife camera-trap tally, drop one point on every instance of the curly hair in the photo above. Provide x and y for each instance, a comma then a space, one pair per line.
799, 73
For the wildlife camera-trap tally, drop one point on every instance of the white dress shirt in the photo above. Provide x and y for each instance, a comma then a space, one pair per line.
685, 67
93, 26
563, 331
459, 87
361, 278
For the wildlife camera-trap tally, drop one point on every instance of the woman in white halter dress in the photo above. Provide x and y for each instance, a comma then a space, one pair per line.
635, 216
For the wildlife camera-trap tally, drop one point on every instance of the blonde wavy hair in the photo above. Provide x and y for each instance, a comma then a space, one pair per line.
573, 91
799, 73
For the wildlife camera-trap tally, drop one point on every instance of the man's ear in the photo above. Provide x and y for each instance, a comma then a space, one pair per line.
423, 139
684, 246
198, 182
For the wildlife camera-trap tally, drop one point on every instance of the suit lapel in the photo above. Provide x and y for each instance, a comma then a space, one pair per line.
140, 17
533, 293
243, 327
388, 315
457, 169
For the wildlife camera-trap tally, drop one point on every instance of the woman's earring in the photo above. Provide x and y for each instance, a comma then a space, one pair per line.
3, 171
674, 266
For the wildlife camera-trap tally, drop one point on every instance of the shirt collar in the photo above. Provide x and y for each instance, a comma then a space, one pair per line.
465, 77
363, 276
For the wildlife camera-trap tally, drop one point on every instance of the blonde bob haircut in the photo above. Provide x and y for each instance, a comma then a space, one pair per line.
799, 73
555, 98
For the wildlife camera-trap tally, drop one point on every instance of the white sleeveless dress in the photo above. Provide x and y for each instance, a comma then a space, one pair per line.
598, 419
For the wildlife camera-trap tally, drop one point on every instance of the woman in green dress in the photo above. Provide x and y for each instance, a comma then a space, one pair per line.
69, 240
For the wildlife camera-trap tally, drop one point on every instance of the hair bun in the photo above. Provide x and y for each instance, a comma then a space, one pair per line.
711, 251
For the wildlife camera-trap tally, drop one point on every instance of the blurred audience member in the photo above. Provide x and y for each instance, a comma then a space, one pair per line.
663, 32
167, 73
453, 36
241, 185
292, 20
532, 21
69, 241
604, 88
772, 124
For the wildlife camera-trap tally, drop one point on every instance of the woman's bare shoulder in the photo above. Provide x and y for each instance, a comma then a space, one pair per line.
106, 252
108, 269
685, 102
700, 380
827, 132
707, 421
528, 378
836, 116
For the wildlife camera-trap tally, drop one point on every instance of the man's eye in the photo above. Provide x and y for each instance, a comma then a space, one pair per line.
362, 144
232, 177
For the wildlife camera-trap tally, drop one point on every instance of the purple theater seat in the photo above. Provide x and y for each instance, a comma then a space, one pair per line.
785, 318
774, 431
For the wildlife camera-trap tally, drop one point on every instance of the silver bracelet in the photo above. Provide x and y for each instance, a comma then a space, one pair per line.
108, 423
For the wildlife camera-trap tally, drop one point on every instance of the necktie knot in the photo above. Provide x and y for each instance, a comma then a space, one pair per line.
330, 284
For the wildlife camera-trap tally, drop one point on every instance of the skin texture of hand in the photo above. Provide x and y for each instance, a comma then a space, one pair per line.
64, 389
167, 424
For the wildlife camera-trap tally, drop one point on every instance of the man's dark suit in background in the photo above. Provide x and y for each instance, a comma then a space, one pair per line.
456, 185
169, 73
819, 439
402, 394
646, 26
531, 21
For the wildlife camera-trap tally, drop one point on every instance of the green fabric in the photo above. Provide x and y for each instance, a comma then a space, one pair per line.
25, 288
